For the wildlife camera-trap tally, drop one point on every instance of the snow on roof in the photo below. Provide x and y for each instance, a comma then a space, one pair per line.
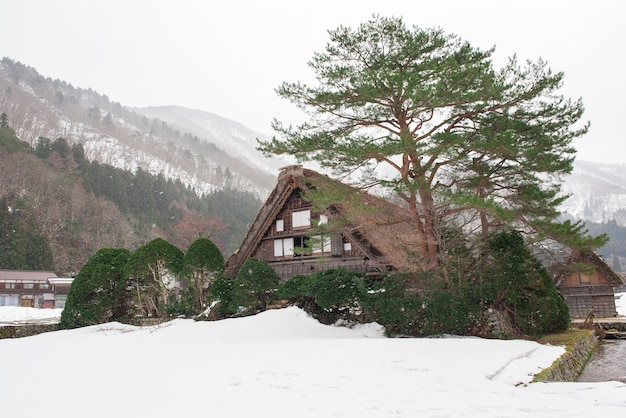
61, 280
34, 275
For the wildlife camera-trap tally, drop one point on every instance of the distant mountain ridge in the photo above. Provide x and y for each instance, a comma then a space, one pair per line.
233, 137
209, 152
598, 192
203, 150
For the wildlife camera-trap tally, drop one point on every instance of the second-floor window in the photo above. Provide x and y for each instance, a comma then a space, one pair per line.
283, 247
584, 278
321, 244
301, 219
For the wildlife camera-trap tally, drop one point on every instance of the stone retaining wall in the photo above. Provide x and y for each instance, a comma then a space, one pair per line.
568, 367
18, 331
617, 326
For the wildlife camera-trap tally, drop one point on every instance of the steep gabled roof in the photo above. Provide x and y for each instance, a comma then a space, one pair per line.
594, 259
380, 229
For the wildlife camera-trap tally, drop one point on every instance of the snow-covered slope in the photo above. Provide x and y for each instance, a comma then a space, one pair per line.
598, 192
205, 153
233, 137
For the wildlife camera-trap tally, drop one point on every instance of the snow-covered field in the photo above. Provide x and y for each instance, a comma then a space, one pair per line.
283, 363
19, 314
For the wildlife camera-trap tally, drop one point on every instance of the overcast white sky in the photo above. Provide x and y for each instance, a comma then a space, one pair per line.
228, 57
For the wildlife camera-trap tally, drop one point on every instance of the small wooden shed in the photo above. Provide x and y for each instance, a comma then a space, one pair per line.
591, 289
357, 232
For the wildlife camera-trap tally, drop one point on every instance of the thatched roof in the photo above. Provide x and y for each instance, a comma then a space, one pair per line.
380, 229
591, 258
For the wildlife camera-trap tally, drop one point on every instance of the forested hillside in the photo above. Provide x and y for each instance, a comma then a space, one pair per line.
57, 208
614, 252
113, 134
143, 170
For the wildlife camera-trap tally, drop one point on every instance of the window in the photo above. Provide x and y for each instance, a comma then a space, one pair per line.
301, 219
321, 244
323, 220
44, 286
9, 286
301, 246
9, 300
280, 225
29, 285
347, 246
283, 247
584, 278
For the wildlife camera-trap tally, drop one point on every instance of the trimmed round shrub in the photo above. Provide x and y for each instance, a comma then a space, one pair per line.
98, 293
519, 284
254, 286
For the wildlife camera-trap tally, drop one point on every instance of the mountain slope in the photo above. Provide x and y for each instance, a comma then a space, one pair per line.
207, 152
57, 209
598, 192
233, 137
112, 134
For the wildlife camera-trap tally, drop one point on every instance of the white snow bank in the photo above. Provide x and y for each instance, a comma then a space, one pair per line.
17, 313
284, 363
620, 303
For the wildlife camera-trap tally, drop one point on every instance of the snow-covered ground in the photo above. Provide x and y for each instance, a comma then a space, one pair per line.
284, 363
620, 303
19, 314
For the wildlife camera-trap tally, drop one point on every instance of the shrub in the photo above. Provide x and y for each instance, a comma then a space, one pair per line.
390, 304
328, 295
221, 296
182, 303
98, 293
152, 270
450, 311
203, 254
254, 286
201, 265
520, 285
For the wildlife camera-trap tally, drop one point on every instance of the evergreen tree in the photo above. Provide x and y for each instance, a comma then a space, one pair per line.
221, 297
254, 285
461, 137
201, 265
22, 244
99, 291
153, 271
61, 146
521, 286
10, 142
43, 147
4, 120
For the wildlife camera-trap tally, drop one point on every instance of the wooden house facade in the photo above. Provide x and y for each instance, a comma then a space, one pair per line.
296, 237
591, 290
33, 289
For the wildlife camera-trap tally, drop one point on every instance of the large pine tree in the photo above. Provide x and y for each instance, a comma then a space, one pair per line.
428, 116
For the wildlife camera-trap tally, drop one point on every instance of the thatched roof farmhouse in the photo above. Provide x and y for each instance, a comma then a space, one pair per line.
341, 228
591, 289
